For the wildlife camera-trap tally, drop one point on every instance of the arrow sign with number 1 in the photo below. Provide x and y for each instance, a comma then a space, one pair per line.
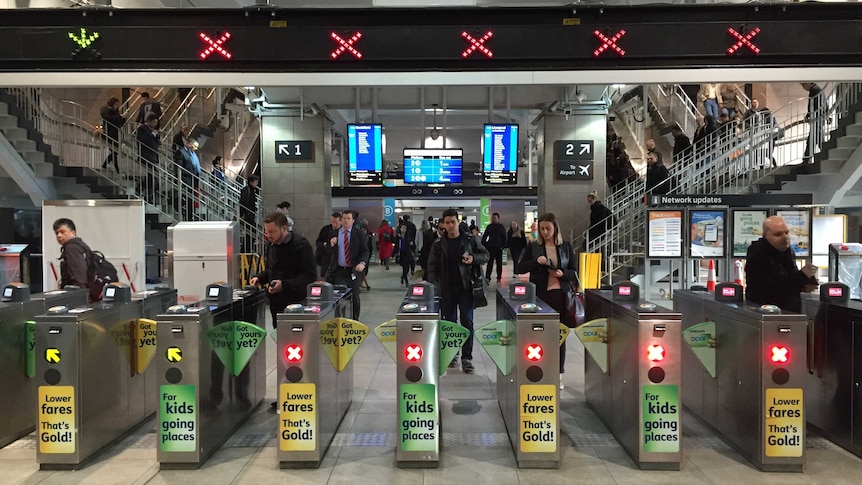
585, 148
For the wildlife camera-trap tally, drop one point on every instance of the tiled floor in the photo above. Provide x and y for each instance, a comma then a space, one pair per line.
475, 448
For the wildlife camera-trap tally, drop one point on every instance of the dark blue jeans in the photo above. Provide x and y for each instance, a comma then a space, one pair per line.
450, 307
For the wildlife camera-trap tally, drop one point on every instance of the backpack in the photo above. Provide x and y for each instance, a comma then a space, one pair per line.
100, 272
387, 237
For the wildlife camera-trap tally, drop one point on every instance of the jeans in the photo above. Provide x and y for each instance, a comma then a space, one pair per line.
711, 107
449, 308
496, 256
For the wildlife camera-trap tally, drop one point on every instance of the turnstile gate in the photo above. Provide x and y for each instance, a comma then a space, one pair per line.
316, 340
632, 373
527, 333
211, 372
95, 381
18, 353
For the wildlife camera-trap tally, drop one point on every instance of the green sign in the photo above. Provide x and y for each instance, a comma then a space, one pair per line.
661, 423
500, 340
452, 338
484, 214
29, 353
234, 343
177, 417
594, 335
700, 339
385, 333
418, 423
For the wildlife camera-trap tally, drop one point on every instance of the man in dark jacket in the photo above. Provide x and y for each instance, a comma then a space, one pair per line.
656, 176
601, 218
680, 142
248, 210
351, 256
112, 121
454, 263
149, 107
289, 265
323, 252
771, 275
74, 267
494, 239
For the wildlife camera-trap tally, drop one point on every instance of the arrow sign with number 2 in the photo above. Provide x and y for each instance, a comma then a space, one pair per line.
585, 148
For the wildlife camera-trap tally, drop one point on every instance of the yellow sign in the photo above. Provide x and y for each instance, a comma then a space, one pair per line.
56, 427
278, 24
340, 338
174, 354
564, 332
386, 334
538, 423
571, 21
52, 356
297, 420
784, 422
145, 344
594, 336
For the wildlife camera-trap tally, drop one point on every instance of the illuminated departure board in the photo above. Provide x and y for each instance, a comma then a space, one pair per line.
433, 166
365, 154
500, 154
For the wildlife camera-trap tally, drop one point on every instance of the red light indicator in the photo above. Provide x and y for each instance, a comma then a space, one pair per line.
836, 291
315, 291
520, 290
743, 40
780, 354
477, 44
345, 45
418, 291
413, 353
728, 291
625, 290
293, 353
534, 352
214, 45
609, 43
655, 353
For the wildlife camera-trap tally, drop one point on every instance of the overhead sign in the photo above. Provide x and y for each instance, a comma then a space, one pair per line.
573, 159
345, 44
214, 44
732, 200
294, 151
477, 44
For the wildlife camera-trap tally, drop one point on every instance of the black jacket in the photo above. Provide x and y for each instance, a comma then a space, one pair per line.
772, 277
494, 236
248, 202
428, 238
539, 273
323, 250
599, 213
292, 263
657, 179
111, 121
438, 267
680, 144
74, 267
149, 144
358, 249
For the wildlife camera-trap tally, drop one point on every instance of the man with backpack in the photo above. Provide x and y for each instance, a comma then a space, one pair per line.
79, 265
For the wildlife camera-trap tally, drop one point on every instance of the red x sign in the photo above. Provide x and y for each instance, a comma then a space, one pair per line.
477, 44
609, 43
743, 40
780, 355
294, 353
214, 45
413, 353
534, 352
345, 45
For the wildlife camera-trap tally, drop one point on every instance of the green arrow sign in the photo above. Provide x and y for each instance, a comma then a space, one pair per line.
385, 333
452, 338
701, 340
29, 352
500, 340
234, 343
594, 335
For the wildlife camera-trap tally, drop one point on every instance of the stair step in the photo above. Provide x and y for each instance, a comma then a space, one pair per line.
4, 108
16, 133
8, 121
33, 157
855, 129
840, 153
42, 170
849, 141
23, 145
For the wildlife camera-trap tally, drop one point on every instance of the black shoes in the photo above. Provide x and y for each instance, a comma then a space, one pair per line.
467, 366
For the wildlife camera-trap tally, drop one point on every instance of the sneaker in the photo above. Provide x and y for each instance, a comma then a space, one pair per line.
454, 363
467, 366
562, 386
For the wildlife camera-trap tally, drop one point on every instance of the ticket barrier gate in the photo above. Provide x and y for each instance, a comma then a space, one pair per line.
632, 373
835, 365
524, 342
18, 353
744, 374
211, 373
92, 367
316, 341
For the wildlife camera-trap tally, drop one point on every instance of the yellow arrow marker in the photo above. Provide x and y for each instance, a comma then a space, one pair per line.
174, 354
52, 356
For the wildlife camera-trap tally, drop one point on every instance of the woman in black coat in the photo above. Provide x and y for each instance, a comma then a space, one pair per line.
551, 264
517, 242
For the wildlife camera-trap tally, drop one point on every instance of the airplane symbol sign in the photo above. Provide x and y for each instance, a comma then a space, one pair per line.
574, 159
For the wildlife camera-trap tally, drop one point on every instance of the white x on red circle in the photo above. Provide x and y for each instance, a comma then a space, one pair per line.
294, 353
414, 353
534, 352
477, 44
346, 45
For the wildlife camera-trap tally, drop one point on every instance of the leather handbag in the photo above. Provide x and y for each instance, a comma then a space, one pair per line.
479, 298
575, 304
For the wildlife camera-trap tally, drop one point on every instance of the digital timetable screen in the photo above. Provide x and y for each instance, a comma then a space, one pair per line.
365, 154
433, 166
500, 154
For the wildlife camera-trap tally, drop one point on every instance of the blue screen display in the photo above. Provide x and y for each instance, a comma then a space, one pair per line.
365, 153
500, 154
433, 166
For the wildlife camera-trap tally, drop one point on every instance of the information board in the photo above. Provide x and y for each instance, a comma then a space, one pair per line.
664, 234
433, 165
799, 225
365, 154
573, 159
747, 228
706, 233
500, 154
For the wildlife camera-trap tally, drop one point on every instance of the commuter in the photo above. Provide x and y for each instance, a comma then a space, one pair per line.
657, 177
351, 257
517, 242
429, 234
814, 117
601, 218
218, 170
730, 101
771, 274
534, 230
284, 208
710, 96
386, 243
473, 228
551, 264
463, 227
148, 146
431, 222
248, 211
323, 252
680, 142
455, 265
178, 142
650, 146
112, 121
411, 235
612, 172
406, 246
190, 175
494, 239
758, 117
74, 268
149, 107
625, 171
369, 238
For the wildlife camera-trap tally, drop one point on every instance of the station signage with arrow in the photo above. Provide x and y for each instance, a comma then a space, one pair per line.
573, 159
294, 151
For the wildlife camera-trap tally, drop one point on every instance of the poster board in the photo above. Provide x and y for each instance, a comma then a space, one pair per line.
799, 223
825, 230
664, 234
114, 227
747, 228
707, 233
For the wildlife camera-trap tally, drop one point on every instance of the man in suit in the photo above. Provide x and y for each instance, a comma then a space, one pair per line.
350, 258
